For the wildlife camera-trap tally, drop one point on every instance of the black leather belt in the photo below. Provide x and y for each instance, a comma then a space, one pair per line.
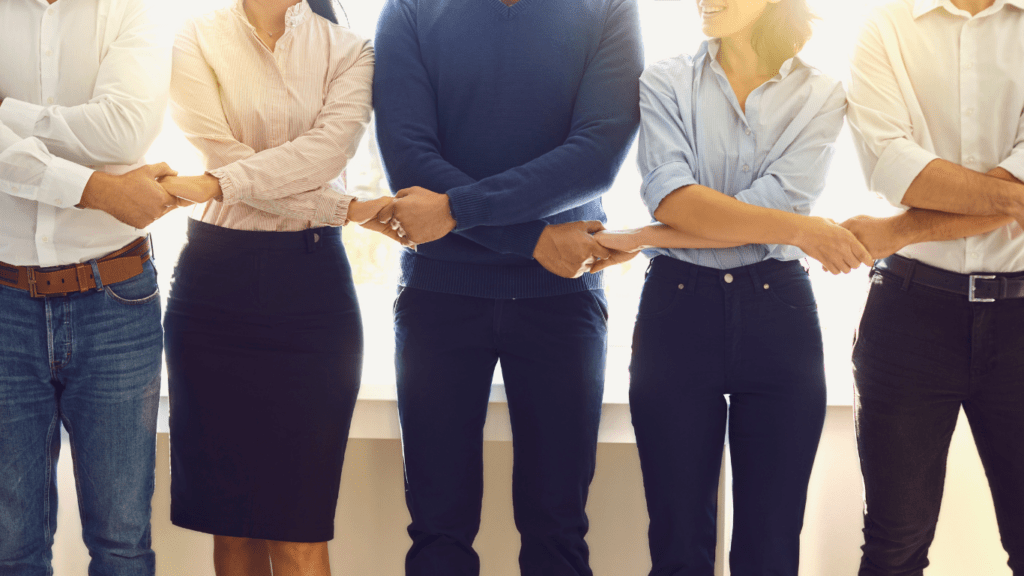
977, 287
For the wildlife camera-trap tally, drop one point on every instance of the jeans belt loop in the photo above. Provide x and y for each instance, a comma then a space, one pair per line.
975, 277
96, 273
31, 275
910, 276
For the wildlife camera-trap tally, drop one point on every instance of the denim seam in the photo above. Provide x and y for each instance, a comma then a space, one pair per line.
49, 480
74, 468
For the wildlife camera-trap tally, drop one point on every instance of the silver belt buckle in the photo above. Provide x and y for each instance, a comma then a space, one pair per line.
970, 287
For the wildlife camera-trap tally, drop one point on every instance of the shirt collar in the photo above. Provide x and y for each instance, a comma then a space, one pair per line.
709, 53
296, 14
922, 7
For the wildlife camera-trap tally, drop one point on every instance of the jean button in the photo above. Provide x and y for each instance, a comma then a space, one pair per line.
727, 278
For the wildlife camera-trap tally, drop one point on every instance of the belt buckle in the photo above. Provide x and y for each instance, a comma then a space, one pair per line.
970, 287
31, 274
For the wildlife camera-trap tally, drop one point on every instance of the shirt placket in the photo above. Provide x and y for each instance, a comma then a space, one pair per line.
969, 135
49, 56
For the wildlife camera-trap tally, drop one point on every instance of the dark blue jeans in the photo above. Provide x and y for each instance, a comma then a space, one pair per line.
919, 356
552, 353
702, 333
92, 362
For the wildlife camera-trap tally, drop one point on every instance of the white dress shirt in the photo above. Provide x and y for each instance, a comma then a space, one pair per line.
84, 85
931, 81
275, 127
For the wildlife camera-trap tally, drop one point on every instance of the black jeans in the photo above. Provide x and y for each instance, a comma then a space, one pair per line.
552, 353
921, 354
701, 333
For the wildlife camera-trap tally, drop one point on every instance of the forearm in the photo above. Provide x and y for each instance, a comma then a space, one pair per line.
920, 225
946, 187
320, 207
702, 213
664, 236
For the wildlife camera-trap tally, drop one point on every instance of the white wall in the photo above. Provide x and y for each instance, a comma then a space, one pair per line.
371, 538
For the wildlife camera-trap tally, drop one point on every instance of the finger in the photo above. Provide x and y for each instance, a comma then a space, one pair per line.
593, 226
386, 213
599, 251
405, 192
182, 202
863, 255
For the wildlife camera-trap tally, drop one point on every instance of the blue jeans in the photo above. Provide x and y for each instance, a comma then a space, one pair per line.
552, 353
920, 355
701, 333
92, 362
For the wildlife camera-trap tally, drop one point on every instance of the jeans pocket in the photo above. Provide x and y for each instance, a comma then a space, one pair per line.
141, 289
792, 290
658, 297
600, 301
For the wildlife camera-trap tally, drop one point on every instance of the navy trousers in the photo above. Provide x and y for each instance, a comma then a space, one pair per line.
552, 353
702, 333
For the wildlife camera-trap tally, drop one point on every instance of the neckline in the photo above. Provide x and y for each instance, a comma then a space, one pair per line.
506, 10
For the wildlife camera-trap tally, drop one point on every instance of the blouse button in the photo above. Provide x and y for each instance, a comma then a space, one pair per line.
746, 168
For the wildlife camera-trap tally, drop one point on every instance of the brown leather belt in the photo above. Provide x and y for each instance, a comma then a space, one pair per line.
115, 267
977, 287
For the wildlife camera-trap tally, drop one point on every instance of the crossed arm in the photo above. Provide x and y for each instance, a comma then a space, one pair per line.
943, 201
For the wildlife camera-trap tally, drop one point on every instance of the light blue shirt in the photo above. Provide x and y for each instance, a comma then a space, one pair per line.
776, 155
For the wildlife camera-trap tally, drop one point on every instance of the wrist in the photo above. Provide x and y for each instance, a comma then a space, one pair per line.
96, 190
210, 185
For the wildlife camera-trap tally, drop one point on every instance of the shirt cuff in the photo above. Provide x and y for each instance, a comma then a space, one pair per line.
20, 116
1014, 164
896, 169
521, 239
332, 209
664, 180
469, 209
63, 183
229, 194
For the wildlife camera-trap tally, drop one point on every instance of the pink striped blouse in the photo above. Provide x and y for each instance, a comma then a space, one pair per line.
276, 128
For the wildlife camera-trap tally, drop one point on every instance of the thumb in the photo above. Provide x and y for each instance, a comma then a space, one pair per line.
159, 170
405, 192
592, 226
386, 213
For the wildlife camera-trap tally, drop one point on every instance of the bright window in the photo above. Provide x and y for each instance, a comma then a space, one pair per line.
670, 27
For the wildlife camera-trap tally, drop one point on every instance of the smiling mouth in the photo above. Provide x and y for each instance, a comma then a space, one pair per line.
711, 10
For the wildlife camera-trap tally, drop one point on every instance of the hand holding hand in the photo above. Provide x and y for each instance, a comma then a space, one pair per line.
135, 198
568, 250
623, 245
193, 189
878, 235
835, 247
366, 213
419, 214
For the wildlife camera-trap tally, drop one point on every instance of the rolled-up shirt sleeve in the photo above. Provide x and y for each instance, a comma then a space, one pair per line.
665, 155
1014, 163
880, 120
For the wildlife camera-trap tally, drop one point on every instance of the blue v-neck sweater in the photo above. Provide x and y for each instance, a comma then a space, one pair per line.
522, 114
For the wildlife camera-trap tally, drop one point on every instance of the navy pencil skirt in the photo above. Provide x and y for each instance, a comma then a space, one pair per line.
263, 342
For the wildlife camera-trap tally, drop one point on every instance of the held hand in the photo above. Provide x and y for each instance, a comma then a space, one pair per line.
419, 214
193, 189
835, 247
568, 250
620, 240
134, 198
878, 235
623, 245
368, 215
